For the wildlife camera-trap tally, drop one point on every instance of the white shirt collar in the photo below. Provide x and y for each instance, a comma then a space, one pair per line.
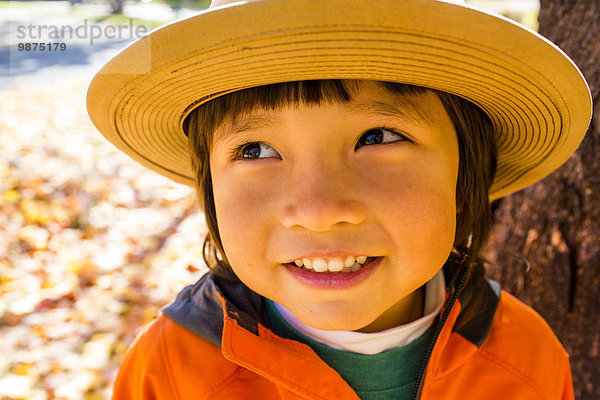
373, 343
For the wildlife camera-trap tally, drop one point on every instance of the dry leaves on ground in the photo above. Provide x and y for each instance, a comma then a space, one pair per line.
92, 245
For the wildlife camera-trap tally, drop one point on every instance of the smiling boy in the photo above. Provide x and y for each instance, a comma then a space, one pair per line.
347, 198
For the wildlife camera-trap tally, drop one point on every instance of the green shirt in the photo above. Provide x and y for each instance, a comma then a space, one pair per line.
391, 374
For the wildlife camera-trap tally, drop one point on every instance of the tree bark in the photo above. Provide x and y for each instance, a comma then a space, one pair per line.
545, 247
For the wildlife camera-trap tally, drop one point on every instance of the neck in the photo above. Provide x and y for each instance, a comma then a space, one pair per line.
405, 311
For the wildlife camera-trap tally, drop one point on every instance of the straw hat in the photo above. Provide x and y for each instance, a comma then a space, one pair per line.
536, 97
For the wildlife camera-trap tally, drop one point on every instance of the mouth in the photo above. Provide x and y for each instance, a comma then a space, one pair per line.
345, 273
344, 265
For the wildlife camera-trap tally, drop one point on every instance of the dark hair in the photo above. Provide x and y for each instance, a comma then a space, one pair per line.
477, 153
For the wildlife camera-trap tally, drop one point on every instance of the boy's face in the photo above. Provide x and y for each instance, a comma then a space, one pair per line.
373, 177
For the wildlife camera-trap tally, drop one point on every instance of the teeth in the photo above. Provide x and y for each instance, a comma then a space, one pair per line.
335, 265
347, 264
319, 265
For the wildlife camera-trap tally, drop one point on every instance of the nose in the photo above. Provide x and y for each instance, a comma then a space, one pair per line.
320, 197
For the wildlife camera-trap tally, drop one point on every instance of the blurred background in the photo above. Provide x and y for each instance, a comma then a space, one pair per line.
92, 245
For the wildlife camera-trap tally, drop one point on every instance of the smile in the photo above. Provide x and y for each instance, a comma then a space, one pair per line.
361, 268
336, 264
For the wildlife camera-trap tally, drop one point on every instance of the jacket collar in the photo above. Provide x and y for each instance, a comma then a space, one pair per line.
233, 317
202, 307
294, 366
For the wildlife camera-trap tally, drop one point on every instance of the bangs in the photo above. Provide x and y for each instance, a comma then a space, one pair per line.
272, 97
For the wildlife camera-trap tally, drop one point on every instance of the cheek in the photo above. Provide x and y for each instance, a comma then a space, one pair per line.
425, 215
241, 212
419, 202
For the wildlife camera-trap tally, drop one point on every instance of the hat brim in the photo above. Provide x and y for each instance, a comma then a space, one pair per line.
536, 97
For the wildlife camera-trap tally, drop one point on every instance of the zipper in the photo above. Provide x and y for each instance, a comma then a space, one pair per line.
461, 279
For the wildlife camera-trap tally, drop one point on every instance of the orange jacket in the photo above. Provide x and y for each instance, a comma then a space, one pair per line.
213, 343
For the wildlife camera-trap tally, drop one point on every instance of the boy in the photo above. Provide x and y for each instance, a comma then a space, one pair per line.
345, 155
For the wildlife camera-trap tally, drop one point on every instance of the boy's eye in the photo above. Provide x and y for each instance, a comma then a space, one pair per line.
256, 150
378, 136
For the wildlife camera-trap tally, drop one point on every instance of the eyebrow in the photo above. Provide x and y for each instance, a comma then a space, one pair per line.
404, 108
245, 122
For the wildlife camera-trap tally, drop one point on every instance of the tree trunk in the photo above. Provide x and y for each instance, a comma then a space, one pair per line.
545, 247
